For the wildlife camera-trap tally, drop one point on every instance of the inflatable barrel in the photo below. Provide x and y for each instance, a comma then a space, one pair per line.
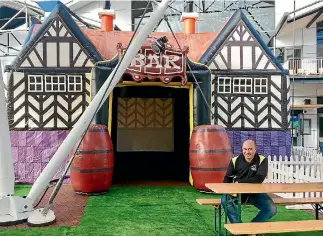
210, 155
92, 168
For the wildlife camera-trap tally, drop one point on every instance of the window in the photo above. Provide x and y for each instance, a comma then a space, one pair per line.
319, 33
289, 53
35, 83
224, 85
242, 85
75, 83
55, 83
260, 86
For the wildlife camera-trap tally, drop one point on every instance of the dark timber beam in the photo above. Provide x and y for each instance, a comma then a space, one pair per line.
314, 18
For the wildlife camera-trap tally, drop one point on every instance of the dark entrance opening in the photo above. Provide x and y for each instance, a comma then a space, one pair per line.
150, 134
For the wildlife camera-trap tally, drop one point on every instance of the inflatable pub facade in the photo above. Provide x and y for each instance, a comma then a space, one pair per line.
228, 78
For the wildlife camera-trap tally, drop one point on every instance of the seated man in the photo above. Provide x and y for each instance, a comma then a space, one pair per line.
248, 167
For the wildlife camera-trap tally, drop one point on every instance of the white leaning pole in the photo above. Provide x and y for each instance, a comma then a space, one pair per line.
37, 217
12, 208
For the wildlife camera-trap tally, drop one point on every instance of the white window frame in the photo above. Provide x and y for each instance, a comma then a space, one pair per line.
35, 83
239, 85
260, 85
52, 83
224, 79
74, 83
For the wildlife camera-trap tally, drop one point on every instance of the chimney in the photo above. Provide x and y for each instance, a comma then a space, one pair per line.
189, 19
107, 16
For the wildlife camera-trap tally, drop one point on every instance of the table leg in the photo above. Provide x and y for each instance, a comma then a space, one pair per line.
217, 221
225, 214
317, 211
239, 208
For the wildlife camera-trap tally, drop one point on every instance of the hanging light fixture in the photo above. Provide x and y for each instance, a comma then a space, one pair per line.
159, 45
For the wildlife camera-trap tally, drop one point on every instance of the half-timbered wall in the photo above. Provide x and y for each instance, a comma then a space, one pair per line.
249, 102
57, 47
54, 88
241, 51
30, 107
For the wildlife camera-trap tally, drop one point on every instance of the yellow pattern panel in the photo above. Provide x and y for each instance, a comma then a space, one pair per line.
145, 112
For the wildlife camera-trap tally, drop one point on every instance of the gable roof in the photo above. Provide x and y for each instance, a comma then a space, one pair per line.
106, 42
61, 11
225, 33
304, 17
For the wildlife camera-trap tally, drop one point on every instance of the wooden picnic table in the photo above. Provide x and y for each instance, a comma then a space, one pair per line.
240, 188
247, 188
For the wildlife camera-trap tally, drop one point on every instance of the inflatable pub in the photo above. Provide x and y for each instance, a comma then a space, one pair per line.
227, 78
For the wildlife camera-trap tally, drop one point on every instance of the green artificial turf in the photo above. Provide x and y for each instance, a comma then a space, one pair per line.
151, 211
22, 189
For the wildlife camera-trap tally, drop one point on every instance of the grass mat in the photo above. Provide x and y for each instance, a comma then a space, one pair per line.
151, 211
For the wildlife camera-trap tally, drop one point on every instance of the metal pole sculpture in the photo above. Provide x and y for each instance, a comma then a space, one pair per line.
38, 216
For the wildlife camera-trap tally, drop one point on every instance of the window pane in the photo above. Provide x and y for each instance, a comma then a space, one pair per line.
248, 89
78, 79
220, 81
220, 89
38, 79
61, 88
48, 87
55, 87
257, 89
227, 81
48, 79
55, 79
236, 81
32, 87
264, 90
249, 82
319, 51
236, 89
257, 81
264, 82
242, 89
71, 87
39, 88
227, 89
78, 87
242, 81
61, 80
71, 79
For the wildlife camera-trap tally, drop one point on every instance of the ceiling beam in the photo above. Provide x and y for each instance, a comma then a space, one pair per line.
314, 18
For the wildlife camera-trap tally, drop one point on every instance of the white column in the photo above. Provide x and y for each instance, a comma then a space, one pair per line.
7, 176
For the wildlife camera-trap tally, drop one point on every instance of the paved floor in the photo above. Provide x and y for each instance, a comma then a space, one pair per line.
68, 207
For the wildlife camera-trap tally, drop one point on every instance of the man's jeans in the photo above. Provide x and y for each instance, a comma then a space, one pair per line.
261, 200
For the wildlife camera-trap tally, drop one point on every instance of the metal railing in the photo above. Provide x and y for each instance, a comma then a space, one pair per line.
304, 66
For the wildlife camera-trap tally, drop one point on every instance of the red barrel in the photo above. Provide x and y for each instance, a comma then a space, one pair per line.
92, 167
210, 155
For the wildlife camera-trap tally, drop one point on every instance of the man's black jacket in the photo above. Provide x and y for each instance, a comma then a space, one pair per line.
239, 170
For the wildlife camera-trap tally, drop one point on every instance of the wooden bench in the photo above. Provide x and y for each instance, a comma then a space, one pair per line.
277, 201
275, 227
305, 226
